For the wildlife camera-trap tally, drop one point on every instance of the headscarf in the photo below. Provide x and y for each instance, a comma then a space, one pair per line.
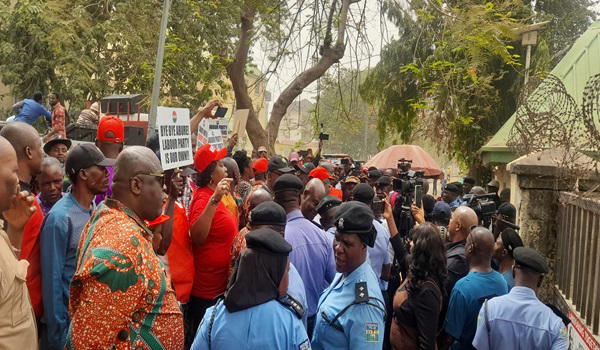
258, 271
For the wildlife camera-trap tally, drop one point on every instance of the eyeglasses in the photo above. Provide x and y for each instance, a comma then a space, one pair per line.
159, 177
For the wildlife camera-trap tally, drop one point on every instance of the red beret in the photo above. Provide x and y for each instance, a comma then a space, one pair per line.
260, 165
204, 156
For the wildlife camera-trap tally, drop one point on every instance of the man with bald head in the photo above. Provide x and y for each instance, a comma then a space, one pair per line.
313, 193
469, 293
16, 208
462, 220
119, 284
258, 196
28, 147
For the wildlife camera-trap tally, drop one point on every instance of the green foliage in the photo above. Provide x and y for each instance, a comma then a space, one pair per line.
569, 19
344, 114
455, 74
87, 49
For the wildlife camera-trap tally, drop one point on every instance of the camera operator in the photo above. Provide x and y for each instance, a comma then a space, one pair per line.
504, 217
468, 184
440, 217
493, 187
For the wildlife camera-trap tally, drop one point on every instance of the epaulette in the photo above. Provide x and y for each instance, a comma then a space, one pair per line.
316, 224
361, 292
292, 304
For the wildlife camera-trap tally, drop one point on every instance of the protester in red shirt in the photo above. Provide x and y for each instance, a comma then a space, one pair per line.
212, 229
28, 146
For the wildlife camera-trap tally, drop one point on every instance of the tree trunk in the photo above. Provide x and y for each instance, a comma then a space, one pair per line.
329, 56
236, 71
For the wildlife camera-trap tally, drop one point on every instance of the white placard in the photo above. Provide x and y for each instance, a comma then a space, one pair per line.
240, 118
173, 125
213, 132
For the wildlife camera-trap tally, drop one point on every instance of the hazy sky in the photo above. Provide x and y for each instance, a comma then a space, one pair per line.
362, 51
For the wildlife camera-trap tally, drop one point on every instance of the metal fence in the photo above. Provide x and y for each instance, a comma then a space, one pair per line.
578, 256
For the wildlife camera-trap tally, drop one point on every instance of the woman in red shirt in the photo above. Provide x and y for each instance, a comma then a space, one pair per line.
212, 229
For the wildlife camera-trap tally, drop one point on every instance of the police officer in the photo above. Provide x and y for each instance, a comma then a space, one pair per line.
351, 312
518, 320
256, 312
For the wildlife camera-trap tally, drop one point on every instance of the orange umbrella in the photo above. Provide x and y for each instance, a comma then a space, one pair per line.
421, 160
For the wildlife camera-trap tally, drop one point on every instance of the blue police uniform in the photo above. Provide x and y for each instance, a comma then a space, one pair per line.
272, 325
518, 320
351, 313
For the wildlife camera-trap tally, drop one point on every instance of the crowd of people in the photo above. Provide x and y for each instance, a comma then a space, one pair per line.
101, 249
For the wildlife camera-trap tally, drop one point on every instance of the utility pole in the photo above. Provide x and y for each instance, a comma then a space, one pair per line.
529, 35
158, 67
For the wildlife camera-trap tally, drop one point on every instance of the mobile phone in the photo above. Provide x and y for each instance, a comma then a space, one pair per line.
378, 206
345, 161
221, 111
419, 196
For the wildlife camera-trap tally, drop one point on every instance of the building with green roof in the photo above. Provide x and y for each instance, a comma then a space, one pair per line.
579, 64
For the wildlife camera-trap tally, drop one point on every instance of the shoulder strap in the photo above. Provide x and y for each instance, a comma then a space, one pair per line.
210, 325
485, 316
487, 323
361, 297
292, 304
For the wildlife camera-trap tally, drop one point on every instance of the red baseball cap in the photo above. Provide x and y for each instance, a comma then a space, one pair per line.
320, 173
260, 165
204, 156
113, 124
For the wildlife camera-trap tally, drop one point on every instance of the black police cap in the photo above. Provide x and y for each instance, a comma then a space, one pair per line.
530, 259
363, 193
327, 203
507, 210
268, 213
356, 218
267, 241
288, 182
511, 240
452, 188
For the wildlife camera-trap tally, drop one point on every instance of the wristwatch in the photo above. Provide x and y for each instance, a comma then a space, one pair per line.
214, 202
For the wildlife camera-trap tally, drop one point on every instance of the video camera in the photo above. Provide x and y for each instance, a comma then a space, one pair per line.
405, 184
483, 205
407, 179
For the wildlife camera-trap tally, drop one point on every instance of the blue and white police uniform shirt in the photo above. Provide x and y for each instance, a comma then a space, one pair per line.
266, 326
351, 313
518, 320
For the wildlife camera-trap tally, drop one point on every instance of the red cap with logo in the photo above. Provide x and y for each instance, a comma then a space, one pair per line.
111, 129
260, 166
204, 156
320, 173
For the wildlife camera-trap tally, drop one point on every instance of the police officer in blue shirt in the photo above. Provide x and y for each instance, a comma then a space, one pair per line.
351, 312
518, 320
256, 313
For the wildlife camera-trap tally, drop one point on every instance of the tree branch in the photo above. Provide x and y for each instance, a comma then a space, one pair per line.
329, 56
236, 71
